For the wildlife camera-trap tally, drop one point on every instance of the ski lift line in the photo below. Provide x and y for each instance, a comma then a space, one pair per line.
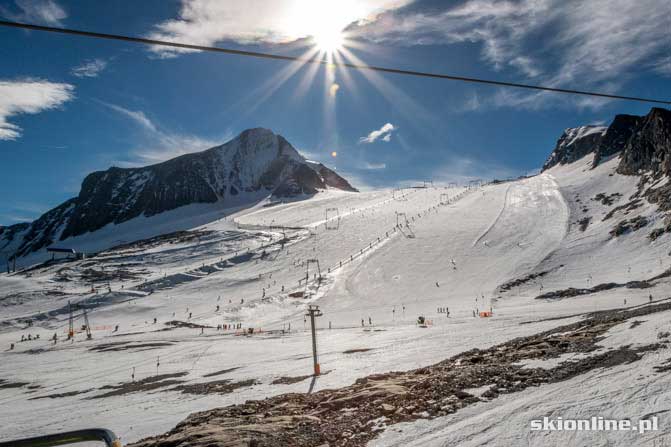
320, 61
356, 254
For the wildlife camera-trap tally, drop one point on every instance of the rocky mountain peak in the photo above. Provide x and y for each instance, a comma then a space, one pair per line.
575, 143
616, 137
254, 165
649, 146
643, 142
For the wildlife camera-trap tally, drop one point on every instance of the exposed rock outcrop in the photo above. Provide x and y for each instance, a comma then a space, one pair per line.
574, 144
649, 147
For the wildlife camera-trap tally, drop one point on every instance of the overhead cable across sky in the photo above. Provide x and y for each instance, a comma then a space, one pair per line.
320, 61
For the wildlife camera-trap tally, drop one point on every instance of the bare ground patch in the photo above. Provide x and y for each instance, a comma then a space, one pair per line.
224, 386
146, 384
222, 372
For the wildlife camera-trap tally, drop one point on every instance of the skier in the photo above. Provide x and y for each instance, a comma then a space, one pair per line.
361, 326
650, 297
154, 320
217, 308
370, 321
55, 338
116, 328
190, 313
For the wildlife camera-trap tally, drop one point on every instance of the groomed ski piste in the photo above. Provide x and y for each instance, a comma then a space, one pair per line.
385, 258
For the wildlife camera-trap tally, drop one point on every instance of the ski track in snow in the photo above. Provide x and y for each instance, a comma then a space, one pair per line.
489, 228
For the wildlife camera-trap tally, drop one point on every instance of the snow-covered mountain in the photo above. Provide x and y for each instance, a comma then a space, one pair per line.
644, 143
575, 143
252, 166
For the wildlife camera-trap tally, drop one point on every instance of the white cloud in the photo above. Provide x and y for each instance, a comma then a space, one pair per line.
161, 145
594, 44
89, 69
663, 66
17, 218
373, 166
24, 212
205, 22
136, 115
383, 133
28, 96
41, 12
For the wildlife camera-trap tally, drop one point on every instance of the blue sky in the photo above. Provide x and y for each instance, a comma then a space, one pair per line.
72, 105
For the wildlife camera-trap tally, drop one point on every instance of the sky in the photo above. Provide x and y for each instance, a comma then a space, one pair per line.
71, 105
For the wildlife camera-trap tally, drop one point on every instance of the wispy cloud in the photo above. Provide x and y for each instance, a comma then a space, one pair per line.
159, 145
135, 115
17, 218
373, 166
89, 69
595, 44
383, 133
42, 12
24, 212
28, 96
206, 22
663, 66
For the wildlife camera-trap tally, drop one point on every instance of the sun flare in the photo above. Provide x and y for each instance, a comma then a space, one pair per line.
329, 40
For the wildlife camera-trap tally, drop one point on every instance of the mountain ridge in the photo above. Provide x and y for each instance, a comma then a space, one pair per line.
257, 163
643, 142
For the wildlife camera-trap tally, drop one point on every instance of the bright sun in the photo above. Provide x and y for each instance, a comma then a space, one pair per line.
329, 40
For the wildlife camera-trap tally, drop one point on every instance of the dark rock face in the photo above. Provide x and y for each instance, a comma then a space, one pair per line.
254, 165
644, 143
616, 137
574, 144
649, 147
9, 233
45, 230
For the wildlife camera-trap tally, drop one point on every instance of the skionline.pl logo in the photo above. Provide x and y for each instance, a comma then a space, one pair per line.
595, 423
